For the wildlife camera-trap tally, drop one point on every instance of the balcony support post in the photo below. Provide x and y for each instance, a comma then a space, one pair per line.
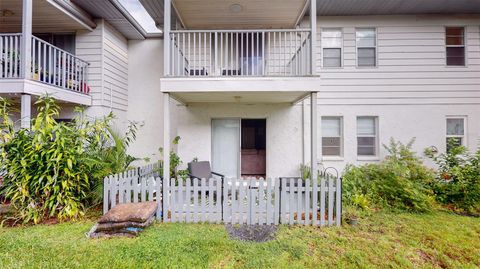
26, 48
166, 140
25, 111
313, 135
313, 36
166, 37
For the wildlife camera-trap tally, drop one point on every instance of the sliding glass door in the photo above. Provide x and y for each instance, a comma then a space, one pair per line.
226, 147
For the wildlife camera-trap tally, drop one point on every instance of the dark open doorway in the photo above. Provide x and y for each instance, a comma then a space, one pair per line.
253, 150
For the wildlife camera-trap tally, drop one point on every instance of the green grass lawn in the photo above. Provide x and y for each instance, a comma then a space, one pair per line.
382, 240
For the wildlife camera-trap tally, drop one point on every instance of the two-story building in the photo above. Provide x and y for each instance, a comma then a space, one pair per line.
261, 87
257, 87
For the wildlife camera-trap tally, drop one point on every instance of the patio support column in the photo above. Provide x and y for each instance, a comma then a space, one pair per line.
26, 45
166, 135
313, 135
166, 37
313, 38
25, 111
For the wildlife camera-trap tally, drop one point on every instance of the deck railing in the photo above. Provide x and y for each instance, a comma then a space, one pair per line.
9, 55
58, 67
49, 64
240, 53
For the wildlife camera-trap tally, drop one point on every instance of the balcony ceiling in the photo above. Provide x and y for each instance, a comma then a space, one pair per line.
46, 18
245, 14
217, 9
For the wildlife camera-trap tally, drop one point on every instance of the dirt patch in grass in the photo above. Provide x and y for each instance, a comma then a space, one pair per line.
254, 233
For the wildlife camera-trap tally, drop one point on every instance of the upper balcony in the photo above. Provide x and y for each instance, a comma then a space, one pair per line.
240, 53
247, 51
49, 64
30, 63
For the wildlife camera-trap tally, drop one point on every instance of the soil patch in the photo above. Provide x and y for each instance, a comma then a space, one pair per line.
254, 233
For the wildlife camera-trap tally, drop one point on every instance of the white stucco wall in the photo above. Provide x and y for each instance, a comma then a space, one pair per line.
145, 100
284, 132
288, 130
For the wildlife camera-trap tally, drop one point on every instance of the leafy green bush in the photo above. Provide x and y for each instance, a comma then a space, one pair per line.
400, 182
52, 169
457, 182
175, 162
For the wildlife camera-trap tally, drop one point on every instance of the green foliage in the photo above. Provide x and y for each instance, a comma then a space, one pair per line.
400, 182
175, 162
52, 169
457, 181
305, 171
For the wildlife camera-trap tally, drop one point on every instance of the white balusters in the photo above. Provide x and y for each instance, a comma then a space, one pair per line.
54, 66
10, 55
240, 53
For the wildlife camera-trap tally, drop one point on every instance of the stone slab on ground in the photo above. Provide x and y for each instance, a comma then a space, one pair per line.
136, 212
120, 225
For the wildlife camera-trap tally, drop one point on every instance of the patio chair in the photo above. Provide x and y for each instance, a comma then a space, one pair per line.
202, 170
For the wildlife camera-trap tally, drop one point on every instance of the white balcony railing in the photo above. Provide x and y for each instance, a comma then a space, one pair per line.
240, 53
50, 65
9, 55
57, 67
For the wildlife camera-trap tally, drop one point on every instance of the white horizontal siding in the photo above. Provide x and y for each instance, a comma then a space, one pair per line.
89, 48
411, 62
115, 60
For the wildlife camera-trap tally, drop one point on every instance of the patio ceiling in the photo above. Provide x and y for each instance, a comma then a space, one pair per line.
232, 14
240, 90
47, 17
330, 8
239, 97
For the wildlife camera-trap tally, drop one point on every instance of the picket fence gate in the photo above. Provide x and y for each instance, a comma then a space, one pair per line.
236, 201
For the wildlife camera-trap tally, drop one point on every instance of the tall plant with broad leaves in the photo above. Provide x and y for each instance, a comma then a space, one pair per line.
51, 169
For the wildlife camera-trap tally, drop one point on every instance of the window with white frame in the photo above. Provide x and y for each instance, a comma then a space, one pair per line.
332, 47
455, 45
366, 39
455, 132
332, 134
367, 136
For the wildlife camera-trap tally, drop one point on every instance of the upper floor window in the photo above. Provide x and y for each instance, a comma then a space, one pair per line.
332, 136
332, 47
455, 43
455, 132
366, 46
367, 136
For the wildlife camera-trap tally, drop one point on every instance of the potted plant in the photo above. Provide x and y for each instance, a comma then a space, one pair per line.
351, 216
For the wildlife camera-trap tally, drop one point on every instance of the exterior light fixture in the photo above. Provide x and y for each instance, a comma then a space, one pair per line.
236, 8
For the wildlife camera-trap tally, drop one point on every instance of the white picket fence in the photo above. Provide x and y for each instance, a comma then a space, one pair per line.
237, 201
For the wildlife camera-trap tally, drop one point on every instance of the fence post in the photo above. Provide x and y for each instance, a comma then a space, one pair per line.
105, 195
222, 199
165, 199
159, 197
339, 202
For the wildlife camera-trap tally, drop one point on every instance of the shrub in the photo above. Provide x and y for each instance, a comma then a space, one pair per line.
175, 162
52, 169
400, 182
457, 182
